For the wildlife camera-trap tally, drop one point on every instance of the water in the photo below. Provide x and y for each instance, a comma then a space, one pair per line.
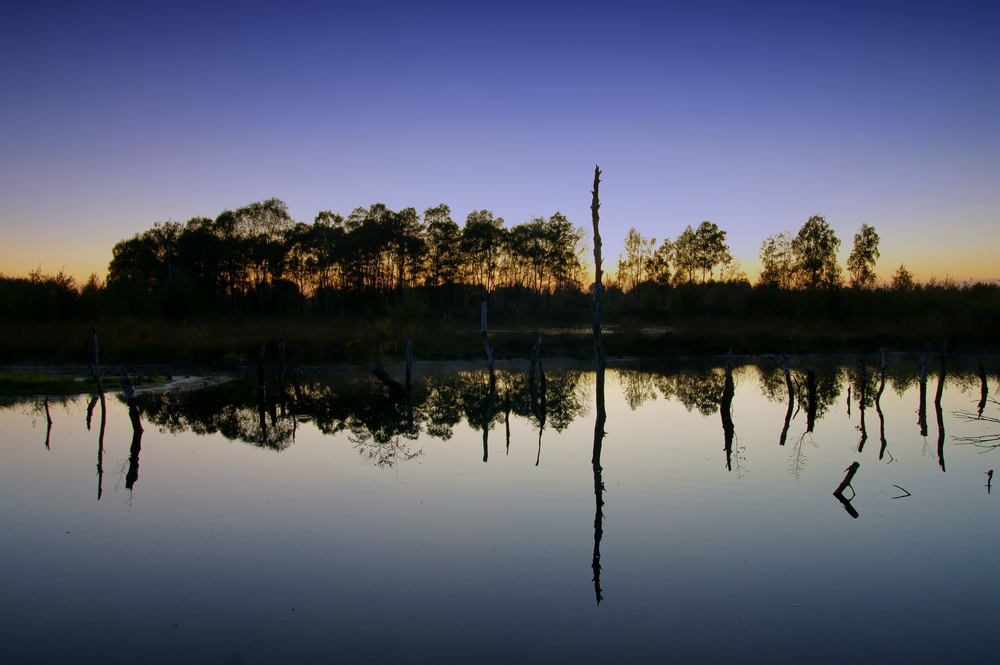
339, 533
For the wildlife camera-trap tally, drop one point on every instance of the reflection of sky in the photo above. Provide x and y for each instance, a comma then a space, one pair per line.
451, 557
751, 116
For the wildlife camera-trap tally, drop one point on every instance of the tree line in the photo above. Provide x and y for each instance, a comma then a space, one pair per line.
256, 260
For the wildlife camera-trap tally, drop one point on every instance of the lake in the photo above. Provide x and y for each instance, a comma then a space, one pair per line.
685, 521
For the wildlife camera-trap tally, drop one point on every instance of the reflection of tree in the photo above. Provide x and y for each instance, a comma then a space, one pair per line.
360, 407
637, 387
701, 390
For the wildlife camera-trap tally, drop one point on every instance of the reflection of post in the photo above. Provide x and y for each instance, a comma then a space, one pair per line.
90, 410
922, 409
725, 408
488, 417
844, 484
602, 418
878, 406
861, 405
538, 406
506, 416
261, 398
48, 427
811, 396
295, 375
486, 345
100, 448
984, 389
938, 411
132, 474
791, 399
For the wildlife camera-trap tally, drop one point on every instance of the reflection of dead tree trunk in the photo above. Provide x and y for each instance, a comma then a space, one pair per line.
90, 410
922, 409
598, 271
396, 390
878, 406
48, 427
506, 416
844, 484
811, 397
725, 409
602, 418
133, 413
937, 407
861, 405
791, 399
984, 389
100, 449
537, 406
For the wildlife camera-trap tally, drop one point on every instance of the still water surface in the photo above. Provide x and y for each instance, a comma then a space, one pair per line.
339, 532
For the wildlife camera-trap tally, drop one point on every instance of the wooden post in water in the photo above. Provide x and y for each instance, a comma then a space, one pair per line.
536, 352
844, 484
97, 362
409, 384
409, 366
489, 350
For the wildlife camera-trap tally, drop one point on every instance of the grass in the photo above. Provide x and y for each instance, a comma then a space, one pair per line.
358, 339
21, 385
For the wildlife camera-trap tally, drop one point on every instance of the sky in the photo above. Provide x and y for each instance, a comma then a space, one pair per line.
754, 116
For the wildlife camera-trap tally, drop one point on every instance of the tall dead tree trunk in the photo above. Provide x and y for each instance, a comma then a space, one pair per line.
595, 206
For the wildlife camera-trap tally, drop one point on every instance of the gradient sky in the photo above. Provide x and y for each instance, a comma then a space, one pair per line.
752, 115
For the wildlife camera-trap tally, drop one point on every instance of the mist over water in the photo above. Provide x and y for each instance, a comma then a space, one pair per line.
693, 519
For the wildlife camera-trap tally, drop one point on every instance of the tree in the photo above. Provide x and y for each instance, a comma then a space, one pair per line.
444, 248
815, 251
658, 265
636, 254
861, 262
903, 279
685, 255
710, 248
482, 242
777, 261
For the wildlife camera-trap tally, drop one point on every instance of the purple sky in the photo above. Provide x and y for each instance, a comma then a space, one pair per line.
753, 116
